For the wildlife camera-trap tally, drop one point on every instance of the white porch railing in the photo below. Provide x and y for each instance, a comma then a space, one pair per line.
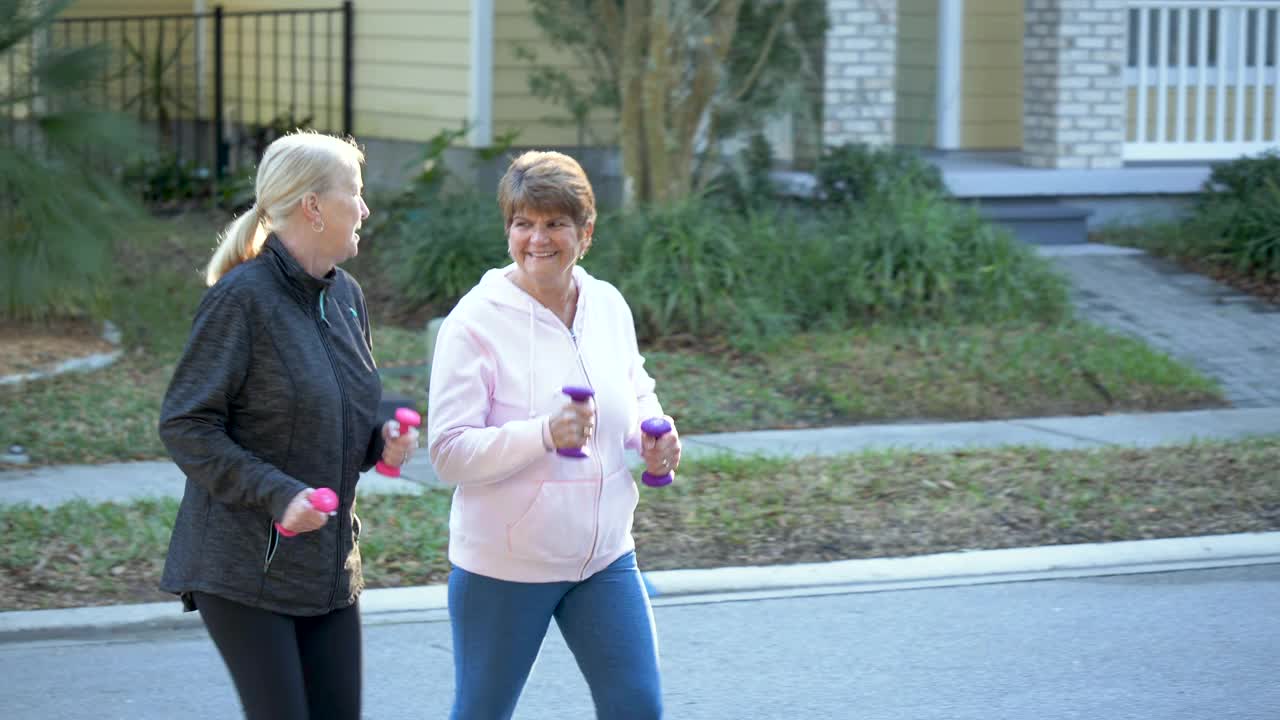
1201, 79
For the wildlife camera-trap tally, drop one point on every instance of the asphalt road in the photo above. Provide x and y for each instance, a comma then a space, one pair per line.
1192, 645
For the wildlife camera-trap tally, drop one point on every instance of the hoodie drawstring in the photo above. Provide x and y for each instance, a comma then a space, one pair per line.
533, 342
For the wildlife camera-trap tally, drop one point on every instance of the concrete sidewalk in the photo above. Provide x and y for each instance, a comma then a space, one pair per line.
53, 485
50, 486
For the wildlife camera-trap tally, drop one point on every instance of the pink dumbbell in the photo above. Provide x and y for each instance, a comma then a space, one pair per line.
323, 499
407, 419
579, 394
656, 428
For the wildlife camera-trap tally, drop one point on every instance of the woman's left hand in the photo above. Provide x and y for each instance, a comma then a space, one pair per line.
400, 445
661, 455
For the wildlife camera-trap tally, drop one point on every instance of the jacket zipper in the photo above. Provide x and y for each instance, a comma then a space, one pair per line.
595, 458
342, 479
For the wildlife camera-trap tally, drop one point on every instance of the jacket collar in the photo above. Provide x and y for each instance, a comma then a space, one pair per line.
300, 283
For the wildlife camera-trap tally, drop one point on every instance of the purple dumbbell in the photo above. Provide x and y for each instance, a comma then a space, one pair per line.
656, 427
579, 394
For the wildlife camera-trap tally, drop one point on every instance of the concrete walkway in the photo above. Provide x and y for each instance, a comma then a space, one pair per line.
53, 485
50, 486
1228, 335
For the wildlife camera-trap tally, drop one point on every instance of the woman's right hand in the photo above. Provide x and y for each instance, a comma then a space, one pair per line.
300, 516
573, 424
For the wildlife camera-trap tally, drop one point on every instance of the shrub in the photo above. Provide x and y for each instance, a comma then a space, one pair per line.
165, 181
1239, 216
916, 256
709, 271
1248, 232
438, 236
855, 173
1241, 177
60, 212
699, 272
440, 248
742, 182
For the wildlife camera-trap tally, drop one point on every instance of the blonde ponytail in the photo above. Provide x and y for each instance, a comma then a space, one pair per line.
240, 241
293, 165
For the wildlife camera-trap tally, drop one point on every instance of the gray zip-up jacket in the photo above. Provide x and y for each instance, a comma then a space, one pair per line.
276, 391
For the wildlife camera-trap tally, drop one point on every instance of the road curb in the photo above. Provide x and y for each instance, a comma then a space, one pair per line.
977, 566
980, 565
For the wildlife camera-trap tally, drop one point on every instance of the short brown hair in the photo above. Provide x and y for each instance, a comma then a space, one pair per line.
546, 182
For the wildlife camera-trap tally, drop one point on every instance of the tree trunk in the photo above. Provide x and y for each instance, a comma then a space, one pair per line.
635, 176
669, 78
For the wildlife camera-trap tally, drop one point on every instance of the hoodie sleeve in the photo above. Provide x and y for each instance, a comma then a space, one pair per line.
647, 403
196, 411
463, 449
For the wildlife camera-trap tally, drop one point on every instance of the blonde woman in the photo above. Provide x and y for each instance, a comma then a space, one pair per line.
275, 397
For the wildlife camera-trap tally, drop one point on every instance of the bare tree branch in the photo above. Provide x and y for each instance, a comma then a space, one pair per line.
782, 19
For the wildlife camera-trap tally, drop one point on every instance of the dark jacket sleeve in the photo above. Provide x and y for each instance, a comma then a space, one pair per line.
196, 409
376, 442
376, 445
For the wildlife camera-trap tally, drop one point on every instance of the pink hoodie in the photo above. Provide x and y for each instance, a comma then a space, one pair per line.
521, 512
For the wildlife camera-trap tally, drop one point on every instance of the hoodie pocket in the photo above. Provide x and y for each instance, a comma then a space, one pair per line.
560, 523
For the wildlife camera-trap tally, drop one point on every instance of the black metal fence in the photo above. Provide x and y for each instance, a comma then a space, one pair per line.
211, 89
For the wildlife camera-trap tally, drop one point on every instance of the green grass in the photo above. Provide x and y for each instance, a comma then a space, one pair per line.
881, 375
885, 373
733, 511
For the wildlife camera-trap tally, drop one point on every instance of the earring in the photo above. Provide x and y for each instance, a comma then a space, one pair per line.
320, 222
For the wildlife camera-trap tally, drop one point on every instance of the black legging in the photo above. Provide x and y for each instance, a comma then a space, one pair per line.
287, 667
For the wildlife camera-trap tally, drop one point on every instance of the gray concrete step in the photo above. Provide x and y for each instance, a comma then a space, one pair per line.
1038, 222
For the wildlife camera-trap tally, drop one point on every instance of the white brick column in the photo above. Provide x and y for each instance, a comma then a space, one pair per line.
1073, 102
860, 72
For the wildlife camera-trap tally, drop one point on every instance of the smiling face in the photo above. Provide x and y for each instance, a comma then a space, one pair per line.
546, 246
550, 211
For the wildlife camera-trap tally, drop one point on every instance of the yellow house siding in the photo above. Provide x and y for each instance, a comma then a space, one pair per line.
110, 8
917, 65
411, 73
84, 31
992, 75
539, 122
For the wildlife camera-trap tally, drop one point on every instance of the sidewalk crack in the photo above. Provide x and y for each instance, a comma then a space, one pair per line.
1062, 433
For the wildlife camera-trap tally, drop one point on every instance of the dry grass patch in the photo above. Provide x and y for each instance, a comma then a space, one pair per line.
734, 511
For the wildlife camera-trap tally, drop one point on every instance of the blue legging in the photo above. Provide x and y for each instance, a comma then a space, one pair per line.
606, 620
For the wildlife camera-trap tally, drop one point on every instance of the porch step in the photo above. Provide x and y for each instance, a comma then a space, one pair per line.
1038, 222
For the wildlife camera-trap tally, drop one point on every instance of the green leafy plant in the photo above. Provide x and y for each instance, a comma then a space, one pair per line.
856, 172
744, 181
700, 271
153, 67
166, 182
1241, 177
60, 210
440, 234
1239, 216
